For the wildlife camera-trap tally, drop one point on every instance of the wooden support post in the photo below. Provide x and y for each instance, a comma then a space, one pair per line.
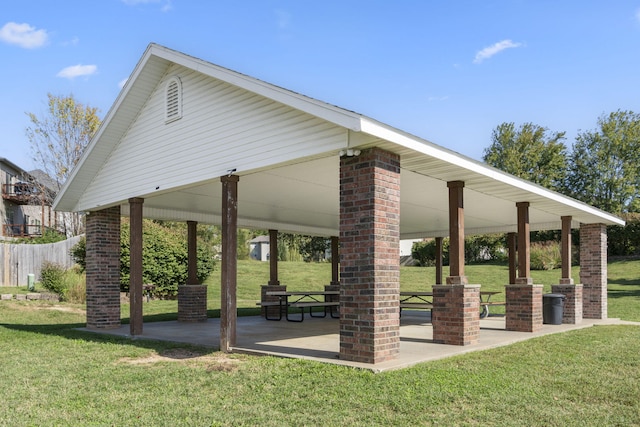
456, 233
565, 244
335, 260
439, 260
273, 258
524, 245
228, 314
512, 241
135, 265
192, 256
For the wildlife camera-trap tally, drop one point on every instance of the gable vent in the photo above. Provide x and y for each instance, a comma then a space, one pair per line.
173, 106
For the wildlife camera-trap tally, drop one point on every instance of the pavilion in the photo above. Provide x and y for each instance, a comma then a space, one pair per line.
187, 140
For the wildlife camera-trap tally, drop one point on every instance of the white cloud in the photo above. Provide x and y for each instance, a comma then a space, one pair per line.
123, 82
489, 51
166, 4
23, 35
77, 71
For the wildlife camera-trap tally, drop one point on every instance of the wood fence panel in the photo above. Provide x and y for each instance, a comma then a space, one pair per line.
17, 261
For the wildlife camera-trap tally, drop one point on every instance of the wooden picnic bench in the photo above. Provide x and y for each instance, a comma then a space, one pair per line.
486, 303
415, 300
301, 300
419, 301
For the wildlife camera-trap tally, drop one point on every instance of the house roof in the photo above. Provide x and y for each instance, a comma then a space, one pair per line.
285, 148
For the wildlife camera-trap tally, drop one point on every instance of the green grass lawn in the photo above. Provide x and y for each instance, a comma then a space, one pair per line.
52, 374
624, 281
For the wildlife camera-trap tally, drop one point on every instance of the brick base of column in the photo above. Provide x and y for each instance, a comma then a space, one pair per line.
192, 303
273, 310
103, 306
594, 300
572, 310
523, 308
456, 314
329, 288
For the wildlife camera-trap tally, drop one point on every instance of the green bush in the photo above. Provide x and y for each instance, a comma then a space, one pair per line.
545, 255
52, 278
75, 286
424, 252
485, 247
164, 257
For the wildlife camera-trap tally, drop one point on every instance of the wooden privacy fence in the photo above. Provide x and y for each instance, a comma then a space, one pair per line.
17, 261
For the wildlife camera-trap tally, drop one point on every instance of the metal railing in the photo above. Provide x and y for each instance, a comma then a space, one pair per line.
21, 230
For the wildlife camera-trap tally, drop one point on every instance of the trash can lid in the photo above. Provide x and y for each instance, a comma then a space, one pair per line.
554, 296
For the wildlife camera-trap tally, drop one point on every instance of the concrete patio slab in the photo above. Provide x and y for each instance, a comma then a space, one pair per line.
318, 338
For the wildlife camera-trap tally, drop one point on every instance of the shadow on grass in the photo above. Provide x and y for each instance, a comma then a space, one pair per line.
613, 293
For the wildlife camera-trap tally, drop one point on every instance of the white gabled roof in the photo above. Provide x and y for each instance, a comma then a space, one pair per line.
289, 175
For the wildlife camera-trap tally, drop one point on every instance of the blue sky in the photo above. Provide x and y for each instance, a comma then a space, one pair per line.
447, 71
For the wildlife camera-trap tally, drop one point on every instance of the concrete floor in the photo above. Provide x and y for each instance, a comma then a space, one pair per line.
318, 339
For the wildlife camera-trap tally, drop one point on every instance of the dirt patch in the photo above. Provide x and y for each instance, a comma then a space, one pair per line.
211, 362
63, 308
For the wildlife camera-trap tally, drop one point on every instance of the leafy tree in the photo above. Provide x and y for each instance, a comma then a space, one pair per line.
605, 169
58, 138
530, 152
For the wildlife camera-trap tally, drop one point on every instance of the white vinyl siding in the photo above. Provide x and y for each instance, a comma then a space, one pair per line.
223, 127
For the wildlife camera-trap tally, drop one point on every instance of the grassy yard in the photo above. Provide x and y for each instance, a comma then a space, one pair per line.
52, 374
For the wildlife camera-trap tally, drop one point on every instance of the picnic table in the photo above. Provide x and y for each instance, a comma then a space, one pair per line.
424, 300
302, 300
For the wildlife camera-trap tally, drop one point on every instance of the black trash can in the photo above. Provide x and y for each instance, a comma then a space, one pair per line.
552, 308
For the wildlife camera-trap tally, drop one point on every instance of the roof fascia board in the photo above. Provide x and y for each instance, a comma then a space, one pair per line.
122, 96
425, 147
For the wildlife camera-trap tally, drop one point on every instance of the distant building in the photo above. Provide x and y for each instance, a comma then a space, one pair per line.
26, 202
259, 248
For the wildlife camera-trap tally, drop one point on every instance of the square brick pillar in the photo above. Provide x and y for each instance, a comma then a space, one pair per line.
572, 311
593, 270
370, 256
456, 314
523, 307
192, 303
103, 268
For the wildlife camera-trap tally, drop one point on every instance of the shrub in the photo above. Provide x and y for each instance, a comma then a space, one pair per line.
424, 253
485, 247
75, 286
52, 278
545, 255
78, 253
164, 257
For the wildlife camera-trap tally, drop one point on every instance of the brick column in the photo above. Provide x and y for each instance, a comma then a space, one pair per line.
370, 256
192, 296
456, 306
593, 270
523, 308
456, 319
572, 311
103, 268
192, 303
523, 299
